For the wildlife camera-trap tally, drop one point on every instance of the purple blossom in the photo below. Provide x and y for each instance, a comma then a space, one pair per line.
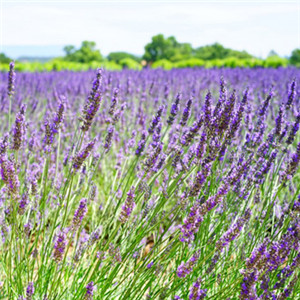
292, 95
11, 79
80, 213
83, 155
174, 109
128, 206
186, 268
29, 291
89, 291
196, 293
59, 247
186, 112
92, 103
19, 129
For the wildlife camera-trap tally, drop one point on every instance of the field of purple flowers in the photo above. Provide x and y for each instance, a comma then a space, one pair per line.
150, 184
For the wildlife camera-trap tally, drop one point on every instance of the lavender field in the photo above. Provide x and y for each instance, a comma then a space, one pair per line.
150, 184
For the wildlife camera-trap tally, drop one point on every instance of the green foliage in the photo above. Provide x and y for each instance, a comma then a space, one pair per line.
166, 48
295, 57
129, 63
85, 54
60, 65
275, 62
189, 63
217, 51
118, 56
162, 63
4, 59
161, 52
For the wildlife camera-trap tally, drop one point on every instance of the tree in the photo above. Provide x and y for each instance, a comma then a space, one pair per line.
272, 53
217, 51
85, 54
4, 59
295, 57
166, 48
118, 56
69, 49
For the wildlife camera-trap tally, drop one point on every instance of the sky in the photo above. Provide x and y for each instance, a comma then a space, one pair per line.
43, 27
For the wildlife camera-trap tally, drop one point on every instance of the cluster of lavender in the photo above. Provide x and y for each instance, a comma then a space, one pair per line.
184, 185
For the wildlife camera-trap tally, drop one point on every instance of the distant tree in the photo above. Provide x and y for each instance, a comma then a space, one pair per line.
69, 49
85, 54
4, 59
295, 57
166, 48
217, 51
272, 53
118, 56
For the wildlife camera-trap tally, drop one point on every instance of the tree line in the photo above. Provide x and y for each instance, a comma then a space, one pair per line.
167, 52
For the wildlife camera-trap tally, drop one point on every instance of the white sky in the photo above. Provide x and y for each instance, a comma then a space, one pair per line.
254, 26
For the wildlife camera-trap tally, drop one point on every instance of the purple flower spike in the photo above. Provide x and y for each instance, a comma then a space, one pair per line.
128, 206
92, 103
20, 128
11, 79
59, 247
83, 155
89, 291
29, 291
80, 213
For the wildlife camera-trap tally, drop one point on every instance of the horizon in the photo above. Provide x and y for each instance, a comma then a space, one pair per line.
48, 26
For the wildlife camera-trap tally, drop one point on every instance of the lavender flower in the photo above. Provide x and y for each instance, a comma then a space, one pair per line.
108, 139
115, 253
186, 112
233, 232
288, 291
3, 145
29, 291
207, 109
152, 158
238, 117
265, 105
279, 120
196, 293
92, 103
155, 120
190, 135
11, 79
201, 145
293, 130
59, 115
191, 224
128, 206
292, 95
80, 213
186, 268
200, 180
114, 102
141, 144
23, 204
227, 113
59, 247
222, 97
20, 129
150, 265
174, 109
292, 165
83, 155
9, 176
89, 291
51, 129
